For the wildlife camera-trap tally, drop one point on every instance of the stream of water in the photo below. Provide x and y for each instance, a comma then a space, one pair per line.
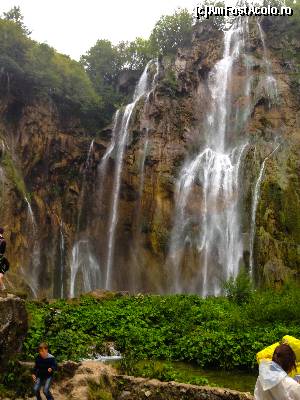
120, 137
85, 270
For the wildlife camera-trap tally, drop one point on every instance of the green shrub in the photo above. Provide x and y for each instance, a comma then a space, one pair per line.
16, 381
239, 289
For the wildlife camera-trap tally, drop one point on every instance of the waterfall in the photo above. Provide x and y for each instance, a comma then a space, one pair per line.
120, 137
31, 277
272, 92
102, 168
271, 84
90, 152
85, 263
62, 259
255, 201
210, 226
82, 260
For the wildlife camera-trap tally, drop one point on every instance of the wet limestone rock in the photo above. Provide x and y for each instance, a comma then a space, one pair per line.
13, 326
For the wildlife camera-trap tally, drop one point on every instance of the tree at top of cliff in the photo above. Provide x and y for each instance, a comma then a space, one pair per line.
172, 32
15, 15
31, 71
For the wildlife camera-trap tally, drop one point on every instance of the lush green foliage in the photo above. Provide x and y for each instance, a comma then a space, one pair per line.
29, 71
172, 32
15, 15
105, 62
15, 382
239, 289
213, 332
90, 89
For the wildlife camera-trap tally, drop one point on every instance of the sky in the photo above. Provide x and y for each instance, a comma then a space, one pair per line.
73, 26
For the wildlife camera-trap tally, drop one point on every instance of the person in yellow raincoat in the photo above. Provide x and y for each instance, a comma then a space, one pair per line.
274, 382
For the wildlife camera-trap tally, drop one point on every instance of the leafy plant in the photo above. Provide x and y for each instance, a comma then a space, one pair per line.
239, 289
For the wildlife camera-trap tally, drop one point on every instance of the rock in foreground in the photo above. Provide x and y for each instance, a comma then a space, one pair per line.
13, 327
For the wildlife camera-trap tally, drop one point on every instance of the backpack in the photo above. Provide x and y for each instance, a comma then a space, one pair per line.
2, 245
4, 265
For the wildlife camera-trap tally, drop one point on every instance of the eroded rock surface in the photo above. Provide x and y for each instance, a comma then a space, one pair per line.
13, 327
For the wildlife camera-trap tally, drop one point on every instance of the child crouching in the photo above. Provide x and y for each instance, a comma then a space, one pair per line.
45, 365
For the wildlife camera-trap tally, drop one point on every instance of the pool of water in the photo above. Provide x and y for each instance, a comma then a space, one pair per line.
236, 380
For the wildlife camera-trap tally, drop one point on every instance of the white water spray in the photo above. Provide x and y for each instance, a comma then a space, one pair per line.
85, 263
210, 225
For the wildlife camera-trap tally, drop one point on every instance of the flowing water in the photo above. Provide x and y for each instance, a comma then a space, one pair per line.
85, 266
209, 231
255, 201
32, 273
85, 271
62, 259
272, 94
270, 81
120, 137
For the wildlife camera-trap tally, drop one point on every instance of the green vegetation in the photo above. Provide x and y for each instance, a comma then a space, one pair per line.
89, 89
172, 32
105, 62
30, 71
15, 382
212, 332
163, 371
13, 174
239, 290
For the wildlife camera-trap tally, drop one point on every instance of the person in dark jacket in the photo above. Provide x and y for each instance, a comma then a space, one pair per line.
2, 242
4, 264
45, 365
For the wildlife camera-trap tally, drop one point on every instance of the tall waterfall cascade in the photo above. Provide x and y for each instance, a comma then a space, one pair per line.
212, 235
119, 141
206, 244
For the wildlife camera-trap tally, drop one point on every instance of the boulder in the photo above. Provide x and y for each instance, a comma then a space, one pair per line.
13, 326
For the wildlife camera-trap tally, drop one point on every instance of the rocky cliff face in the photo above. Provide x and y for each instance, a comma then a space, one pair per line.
172, 124
57, 207
13, 327
43, 162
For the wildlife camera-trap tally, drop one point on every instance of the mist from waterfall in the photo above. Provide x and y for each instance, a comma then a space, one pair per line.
208, 228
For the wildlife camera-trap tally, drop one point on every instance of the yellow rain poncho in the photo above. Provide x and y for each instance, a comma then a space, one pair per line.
267, 353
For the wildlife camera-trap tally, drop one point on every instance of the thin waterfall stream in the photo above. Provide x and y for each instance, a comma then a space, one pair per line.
255, 201
119, 144
83, 260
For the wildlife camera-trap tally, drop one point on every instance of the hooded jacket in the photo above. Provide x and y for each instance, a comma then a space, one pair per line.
42, 365
273, 383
